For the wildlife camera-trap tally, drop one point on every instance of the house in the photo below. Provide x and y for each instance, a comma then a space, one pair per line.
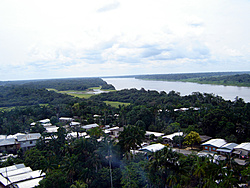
227, 148
90, 126
74, 124
156, 134
205, 138
51, 129
168, 139
75, 135
114, 131
28, 141
213, 144
65, 120
9, 145
152, 148
19, 176
243, 149
44, 122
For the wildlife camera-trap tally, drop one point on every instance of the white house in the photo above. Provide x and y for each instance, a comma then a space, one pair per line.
65, 120
213, 144
242, 149
227, 148
156, 134
114, 131
152, 148
28, 141
90, 126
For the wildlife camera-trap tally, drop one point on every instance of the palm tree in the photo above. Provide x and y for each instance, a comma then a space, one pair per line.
131, 137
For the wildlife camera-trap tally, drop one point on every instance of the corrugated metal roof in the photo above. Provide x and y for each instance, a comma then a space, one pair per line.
30, 136
16, 172
224, 150
215, 142
171, 136
157, 134
6, 142
29, 183
245, 146
8, 168
228, 146
90, 126
4, 180
3, 137
26, 176
152, 148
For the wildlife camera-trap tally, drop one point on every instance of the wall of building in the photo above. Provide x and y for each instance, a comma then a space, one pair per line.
210, 148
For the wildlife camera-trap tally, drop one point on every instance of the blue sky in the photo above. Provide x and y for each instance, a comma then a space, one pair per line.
79, 38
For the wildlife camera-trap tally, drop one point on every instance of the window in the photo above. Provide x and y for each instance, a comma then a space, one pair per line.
205, 147
213, 148
30, 142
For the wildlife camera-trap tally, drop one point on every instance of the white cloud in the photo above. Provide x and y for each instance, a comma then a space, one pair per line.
43, 39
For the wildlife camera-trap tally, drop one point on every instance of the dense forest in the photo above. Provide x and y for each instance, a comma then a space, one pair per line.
78, 84
91, 162
35, 92
219, 78
238, 79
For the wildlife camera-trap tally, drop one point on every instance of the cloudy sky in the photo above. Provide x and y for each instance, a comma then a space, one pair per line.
79, 38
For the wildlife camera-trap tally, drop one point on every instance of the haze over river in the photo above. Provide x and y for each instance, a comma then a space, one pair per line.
185, 88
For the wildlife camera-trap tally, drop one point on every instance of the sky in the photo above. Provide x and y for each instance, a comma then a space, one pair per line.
78, 38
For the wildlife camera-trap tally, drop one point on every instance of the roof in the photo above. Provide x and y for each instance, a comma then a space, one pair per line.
16, 172
74, 134
113, 128
227, 148
205, 138
30, 136
66, 118
73, 123
152, 148
6, 142
29, 183
44, 121
154, 133
245, 146
26, 176
4, 180
13, 167
171, 136
90, 126
218, 142
15, 135
51, 129
3, 136
20, 175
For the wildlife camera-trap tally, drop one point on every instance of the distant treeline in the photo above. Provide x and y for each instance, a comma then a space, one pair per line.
176, 77
220, 78
238, 79
79, 84
35, 92
25, 96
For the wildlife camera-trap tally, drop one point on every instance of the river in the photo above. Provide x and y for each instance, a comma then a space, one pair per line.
185, 88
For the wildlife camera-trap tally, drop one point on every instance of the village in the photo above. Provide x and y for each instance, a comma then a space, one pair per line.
21, 176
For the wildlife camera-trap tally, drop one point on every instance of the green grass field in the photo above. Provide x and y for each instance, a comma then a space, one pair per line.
80, 94
116, 104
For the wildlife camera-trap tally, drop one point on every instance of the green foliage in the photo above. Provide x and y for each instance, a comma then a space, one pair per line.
173, 127
131, 137
34, 158
191, 138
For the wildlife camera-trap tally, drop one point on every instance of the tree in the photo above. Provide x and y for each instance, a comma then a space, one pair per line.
34, 159
173, 127
131, 137
192, 138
